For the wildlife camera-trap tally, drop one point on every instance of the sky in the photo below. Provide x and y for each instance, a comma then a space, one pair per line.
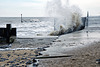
36, 8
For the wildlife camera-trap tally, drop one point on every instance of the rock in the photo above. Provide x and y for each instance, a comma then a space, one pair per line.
22, 62
4, 46
25, 53
40, 53
36, 52
23, 66
13, 65
73, 59
8, 55
0, 55
6, 64
58, 41
14, 60
18, 55
29, 62
46, 46
34, 60
36, 55
98, 61
23, 58
17, 64
41, 49
46, 55
35, 64
3, 59
10, 62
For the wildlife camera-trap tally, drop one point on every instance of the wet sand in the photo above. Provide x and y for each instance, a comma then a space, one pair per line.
23, 51
82, 57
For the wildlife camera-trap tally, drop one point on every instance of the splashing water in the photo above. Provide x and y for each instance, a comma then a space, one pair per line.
67, 17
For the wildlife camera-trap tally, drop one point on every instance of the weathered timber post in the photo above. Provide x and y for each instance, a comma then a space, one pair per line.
21, 18
8, 33
87, 23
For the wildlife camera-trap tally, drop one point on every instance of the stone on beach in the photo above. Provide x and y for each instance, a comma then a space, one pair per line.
98, 61
29, 62
34, 60
14, 58
41, 49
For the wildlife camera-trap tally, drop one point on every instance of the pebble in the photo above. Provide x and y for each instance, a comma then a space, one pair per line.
7, 64
11, 66
46, 46
23, 61
23, 66
41, 49
36, 52
40, 53
14, 60
17, 64
23, 58
29, 62
36, 55
35, 65
10, 61
3, 59
8, 55
4, 46
25, 53
98, 61
34, 60
0, 55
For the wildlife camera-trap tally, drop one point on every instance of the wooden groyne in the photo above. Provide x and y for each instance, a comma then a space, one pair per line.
7, 33
47, 57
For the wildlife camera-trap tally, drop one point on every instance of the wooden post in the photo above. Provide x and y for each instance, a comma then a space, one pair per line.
8, 30
54, 25
87, 23
21, 18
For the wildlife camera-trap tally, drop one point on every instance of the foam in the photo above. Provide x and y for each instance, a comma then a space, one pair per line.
68, 17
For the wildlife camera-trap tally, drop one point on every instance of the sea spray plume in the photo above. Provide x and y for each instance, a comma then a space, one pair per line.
68, 17
76, 17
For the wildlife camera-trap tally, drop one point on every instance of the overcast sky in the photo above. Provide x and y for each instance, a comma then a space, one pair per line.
32, 8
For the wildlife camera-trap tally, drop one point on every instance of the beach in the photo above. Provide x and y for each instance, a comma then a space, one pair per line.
16, 57
81, 57
83, 46
23, 51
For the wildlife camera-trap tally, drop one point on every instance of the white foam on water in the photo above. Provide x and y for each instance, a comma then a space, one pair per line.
68, 16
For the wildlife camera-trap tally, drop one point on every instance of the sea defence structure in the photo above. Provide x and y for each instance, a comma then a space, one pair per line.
60, 29
7, 33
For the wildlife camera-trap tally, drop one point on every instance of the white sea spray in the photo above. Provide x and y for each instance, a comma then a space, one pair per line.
67, 17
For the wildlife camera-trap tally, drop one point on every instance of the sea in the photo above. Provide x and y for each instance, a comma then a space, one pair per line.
33, 26
77, 39
30, 26
41, 26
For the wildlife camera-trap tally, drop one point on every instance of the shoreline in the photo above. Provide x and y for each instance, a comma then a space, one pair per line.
23, 52
82, 57
20, 57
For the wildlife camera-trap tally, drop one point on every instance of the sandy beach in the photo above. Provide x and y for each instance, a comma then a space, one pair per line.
23, 51
16, 57
28, 49
82, 57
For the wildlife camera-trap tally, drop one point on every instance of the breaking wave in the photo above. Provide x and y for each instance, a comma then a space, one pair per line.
67, 17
